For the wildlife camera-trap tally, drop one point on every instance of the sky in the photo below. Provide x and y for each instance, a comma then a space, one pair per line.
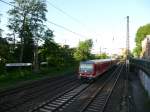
103, 21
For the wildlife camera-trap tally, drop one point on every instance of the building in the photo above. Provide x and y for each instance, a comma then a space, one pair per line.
146, 48
64, 45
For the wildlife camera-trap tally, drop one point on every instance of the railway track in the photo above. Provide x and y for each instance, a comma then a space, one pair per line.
98, 101
30, 85
57, 96
61, 102
17, 98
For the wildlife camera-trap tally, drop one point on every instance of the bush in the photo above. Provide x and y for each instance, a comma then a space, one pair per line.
2, 65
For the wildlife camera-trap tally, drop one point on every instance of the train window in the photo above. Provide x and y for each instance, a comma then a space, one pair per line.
86, 68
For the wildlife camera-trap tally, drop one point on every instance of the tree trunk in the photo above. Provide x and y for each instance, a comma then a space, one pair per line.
22, 36
21, 51
35, 62
14, 41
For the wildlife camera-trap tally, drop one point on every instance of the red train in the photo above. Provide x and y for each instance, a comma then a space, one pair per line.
91, 69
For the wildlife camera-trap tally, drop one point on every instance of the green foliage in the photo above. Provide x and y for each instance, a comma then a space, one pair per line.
56, 55
0, 28
140, 35
102, 56
4, 53
136, 51
83, 50
38, 16
28, 47
27, 30
26, 21
15, 78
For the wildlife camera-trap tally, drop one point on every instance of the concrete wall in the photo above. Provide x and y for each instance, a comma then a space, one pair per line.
145, 79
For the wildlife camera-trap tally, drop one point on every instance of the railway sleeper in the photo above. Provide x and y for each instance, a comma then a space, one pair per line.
44, 110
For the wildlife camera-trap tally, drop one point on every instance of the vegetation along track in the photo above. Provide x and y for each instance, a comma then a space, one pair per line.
22, 99
98, 101
61, 102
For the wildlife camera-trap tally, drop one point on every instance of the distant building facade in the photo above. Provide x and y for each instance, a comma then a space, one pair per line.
123, 52
63, 45
146, 48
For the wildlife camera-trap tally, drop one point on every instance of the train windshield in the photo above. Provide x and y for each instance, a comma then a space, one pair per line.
86, 68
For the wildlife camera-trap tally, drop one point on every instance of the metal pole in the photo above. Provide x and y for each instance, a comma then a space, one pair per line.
127, 46
100, 50
127, 61
127, 40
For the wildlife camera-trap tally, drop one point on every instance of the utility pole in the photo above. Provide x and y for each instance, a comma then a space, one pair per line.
127, 39
100, 51
127, 46
113, 48
127, 63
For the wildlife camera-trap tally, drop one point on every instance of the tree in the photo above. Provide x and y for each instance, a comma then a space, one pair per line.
28, 48
102, 56
54, 54
19, 17
38, 16
136, 51
4, 50
140, 35
27, 19
0, 28
83, 50
48, 47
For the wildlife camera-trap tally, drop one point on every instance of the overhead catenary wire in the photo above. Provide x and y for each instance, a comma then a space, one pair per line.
68, 15
60, 26
7, 3
65, 13
67, 29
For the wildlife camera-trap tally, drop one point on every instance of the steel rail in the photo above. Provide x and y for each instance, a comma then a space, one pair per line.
94, 96
34, 93
60, 102
57, 102
30, 85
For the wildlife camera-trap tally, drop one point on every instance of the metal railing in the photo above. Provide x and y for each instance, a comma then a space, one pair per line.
143, 64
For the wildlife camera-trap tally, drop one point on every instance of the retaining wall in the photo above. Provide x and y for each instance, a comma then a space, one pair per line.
145, 79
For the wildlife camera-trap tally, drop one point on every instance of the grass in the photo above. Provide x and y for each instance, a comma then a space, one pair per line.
18, 77
147, 104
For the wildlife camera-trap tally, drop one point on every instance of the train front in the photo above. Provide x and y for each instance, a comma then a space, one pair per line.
86, 71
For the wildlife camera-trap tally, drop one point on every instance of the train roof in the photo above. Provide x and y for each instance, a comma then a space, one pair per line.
95, 61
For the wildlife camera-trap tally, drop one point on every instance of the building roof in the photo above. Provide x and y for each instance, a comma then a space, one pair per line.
95, 61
